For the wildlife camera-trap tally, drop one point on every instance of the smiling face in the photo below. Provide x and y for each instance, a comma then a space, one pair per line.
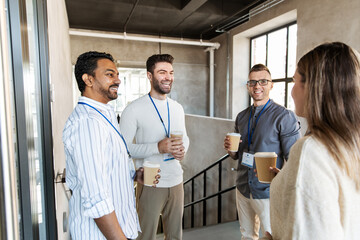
260, 94
103, 86
298, 94
161, 79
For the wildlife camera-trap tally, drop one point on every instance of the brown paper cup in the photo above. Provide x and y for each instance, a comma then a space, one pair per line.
234, 140
176, 134
263, 161
150, 172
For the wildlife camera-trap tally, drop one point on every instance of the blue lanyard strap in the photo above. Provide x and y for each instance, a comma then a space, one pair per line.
110, 124
250, 134
167, 132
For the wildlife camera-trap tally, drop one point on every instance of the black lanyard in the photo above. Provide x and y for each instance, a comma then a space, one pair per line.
110, 124
167, 132
250, 134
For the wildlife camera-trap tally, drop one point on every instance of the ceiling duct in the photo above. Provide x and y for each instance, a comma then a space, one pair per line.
250, 12
263, 7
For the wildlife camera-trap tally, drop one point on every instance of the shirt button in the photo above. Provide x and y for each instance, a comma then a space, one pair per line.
250, 182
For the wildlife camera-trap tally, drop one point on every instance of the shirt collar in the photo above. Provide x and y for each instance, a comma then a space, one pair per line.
260, 107
96, 104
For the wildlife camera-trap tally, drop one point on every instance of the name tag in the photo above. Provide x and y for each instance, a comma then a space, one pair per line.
168, 157
247, 159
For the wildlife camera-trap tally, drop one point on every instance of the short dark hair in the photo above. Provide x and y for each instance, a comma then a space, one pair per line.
151, 61
87, 63
259, 67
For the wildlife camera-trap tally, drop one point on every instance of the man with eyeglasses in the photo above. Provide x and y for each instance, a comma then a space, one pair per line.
264, 127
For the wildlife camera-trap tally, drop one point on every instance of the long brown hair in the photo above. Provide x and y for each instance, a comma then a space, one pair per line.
331, 73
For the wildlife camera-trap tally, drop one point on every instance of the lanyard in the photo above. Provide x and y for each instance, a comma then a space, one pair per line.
110, 124
167, 132
250, 134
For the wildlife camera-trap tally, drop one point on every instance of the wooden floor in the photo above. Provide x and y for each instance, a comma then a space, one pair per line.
230, 230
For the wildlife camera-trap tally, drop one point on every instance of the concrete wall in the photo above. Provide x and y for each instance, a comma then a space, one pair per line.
190, 65
318, 21
60, 76
206, 147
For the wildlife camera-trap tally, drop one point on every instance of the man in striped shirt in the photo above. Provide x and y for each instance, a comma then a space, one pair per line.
100, 172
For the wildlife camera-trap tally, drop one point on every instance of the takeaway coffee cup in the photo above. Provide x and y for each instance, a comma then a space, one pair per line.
234, 140
150, 172
176, 134
263, 161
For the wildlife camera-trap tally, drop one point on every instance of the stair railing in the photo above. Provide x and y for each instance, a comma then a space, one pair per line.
203, 200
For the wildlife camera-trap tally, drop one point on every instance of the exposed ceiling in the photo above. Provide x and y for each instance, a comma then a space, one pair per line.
195, 19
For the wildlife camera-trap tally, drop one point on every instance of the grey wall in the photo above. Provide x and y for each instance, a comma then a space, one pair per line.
60, 76
206, 147
190, 65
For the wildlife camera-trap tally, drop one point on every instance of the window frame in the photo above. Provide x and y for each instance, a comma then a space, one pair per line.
287, 79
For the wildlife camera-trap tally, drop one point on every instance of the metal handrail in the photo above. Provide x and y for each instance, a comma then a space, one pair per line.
203, 200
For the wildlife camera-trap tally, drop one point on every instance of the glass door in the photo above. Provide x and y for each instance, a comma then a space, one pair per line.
32, 117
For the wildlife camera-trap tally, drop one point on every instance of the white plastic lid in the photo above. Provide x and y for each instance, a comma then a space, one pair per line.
151, 165
265, 154
234, 134
177, 132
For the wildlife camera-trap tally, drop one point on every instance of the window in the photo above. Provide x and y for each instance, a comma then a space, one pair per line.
134, 84
277, 50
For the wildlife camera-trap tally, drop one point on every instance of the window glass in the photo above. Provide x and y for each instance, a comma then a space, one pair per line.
258, 50
292, 50
278, 93
134, 84
277, 53
290, 100
32, 96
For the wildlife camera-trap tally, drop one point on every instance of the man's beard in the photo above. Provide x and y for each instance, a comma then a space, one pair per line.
108, 93
157, 88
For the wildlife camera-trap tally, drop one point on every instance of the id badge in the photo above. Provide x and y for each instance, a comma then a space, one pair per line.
247, 159
168, 157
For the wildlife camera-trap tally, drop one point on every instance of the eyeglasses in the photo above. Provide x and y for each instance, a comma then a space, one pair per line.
262, 82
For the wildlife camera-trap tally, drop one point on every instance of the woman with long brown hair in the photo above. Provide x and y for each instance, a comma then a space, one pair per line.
317, 193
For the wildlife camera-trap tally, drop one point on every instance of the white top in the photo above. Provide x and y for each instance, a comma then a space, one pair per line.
312, 198
142, 129
98, 171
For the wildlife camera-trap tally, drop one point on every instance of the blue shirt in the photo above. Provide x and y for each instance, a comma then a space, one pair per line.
276, 131
98, 171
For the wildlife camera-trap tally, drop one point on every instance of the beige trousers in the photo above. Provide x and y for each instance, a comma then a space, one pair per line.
252, 213
169, 202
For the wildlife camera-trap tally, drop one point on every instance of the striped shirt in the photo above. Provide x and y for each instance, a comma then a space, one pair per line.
98, 171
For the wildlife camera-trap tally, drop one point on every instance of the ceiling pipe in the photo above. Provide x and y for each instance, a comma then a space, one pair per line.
211, 80
125, 36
